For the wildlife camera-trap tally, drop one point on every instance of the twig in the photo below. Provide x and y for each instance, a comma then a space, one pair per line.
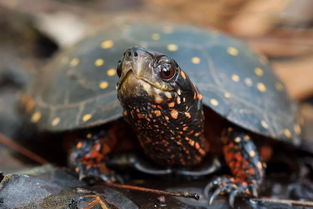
20, 149
289, 202
155, 191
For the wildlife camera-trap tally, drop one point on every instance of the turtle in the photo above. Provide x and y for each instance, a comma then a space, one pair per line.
185, 92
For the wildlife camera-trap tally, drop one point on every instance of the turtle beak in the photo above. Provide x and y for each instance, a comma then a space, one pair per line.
133, 61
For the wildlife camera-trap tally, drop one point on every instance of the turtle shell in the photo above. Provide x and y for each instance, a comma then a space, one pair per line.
78, 89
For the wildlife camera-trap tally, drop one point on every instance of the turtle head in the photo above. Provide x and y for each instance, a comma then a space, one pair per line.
149, 75
161, 104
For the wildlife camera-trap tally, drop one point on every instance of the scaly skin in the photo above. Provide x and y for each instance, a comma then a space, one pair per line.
165, 109
88, 155
247, 170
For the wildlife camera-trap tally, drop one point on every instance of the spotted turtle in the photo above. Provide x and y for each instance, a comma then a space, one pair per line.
192, 92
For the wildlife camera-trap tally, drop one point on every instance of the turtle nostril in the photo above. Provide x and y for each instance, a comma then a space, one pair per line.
119, 68
129, 54
135, 54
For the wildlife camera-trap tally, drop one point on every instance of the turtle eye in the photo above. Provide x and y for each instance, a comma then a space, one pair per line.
167, 71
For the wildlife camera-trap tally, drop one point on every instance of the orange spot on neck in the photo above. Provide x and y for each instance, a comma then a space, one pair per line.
174, 114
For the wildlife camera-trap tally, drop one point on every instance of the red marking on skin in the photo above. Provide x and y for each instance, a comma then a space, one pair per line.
158, 101
197, 134
190, 132
239, 166
197, 146
140, 116
187, 114
266, 152
171, 104
105, 148
179, 143
97, 147
185, 128
79, 145
251, 171
174, 114
157, 113
199, 96
125, 113
190, 141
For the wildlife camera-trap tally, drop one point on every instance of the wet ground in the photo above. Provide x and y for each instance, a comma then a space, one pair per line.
30, 37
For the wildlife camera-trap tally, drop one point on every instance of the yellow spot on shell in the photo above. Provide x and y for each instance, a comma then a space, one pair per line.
248, 82
155, 36
89, 136
172, 47
279, 86
168, 29
99, 62
297, 129
261, 87
258, 71
74, 62
214, 102
195, 60
55, 121
237, 139
182, 73
287, 133
107, 44
86, 117
264, 124
232, 51
252, 153
103, 85
111, 72
247, 137
36, 117
227, 95
235, 78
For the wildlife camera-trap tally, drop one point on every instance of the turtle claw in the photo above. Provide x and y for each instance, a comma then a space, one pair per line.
111, 177
228, 185
232, 197
214, 195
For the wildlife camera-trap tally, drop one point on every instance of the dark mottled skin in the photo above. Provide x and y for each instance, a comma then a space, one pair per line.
168, 132
165, 110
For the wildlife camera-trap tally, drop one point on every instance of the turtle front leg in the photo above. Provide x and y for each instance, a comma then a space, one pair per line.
242, 158
88, 155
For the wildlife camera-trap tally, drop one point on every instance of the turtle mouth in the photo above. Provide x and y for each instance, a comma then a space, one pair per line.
132, 86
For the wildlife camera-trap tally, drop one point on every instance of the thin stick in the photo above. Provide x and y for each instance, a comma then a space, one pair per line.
155, 191
20, 149
289, 202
